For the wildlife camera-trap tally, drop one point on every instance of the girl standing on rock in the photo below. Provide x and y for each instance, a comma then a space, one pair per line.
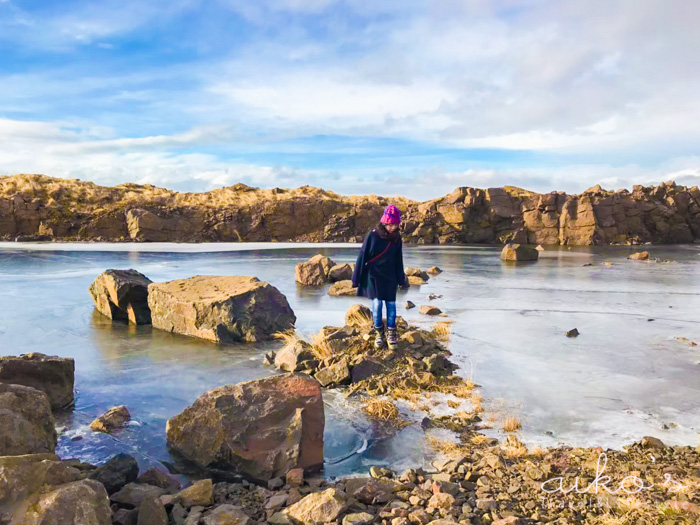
379, 271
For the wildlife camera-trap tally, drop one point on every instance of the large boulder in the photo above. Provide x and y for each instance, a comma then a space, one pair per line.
262, 428
27, 425
122, 294
82, 502
341, 272
53, 375
519, 252
221, 309
315, 271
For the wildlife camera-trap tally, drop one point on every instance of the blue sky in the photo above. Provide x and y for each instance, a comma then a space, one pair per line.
405, 97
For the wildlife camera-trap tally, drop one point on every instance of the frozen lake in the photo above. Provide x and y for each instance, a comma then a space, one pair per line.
624, 377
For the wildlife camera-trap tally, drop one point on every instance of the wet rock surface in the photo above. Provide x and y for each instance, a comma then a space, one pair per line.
53, 375
122, 294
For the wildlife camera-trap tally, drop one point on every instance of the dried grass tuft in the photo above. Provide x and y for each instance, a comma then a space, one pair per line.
511, 424
442, 330
320, 346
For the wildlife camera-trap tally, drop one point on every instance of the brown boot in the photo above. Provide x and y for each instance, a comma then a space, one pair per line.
379, 336
392, 337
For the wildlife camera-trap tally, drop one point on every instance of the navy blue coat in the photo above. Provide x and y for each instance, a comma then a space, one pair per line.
379, 280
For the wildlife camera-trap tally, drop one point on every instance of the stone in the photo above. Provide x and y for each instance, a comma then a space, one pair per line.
220, 309
178, 514
280, 518
315, 271
434, 270
443, 522
340, 272
200, 493
333, 375
441, 500
27, 425
83, 502
510, 520
53, 375
409, 305
639, 256
276, 483
156, 477
117, 472
114, 419
427, 309
357, 315
318, 507
341, 288
572, 333
370, 491
294, 357
416, 272
276, 501
366, 368
415, 280
358, 518
227, 515
122, 294
132, 495
419, 516
125, 517
652, 442
262, 428
439, 365
152, 512
295, 477
519, 252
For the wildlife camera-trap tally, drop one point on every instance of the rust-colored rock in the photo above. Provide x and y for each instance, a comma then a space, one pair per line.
314, 272
262, 428
122, 294
53, 375
639, 256
222, 309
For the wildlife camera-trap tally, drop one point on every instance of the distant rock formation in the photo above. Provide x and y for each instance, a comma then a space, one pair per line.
37, 207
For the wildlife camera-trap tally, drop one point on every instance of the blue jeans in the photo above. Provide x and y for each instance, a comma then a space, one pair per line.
390, 313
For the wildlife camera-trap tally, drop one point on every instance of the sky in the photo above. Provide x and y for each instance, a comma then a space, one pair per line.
391, 97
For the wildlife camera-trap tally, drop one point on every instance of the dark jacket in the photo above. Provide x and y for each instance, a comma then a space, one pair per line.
381, 278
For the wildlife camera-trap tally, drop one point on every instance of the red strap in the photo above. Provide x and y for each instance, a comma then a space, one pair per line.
378, 256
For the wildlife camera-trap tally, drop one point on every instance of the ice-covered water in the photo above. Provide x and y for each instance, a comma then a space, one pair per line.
625, 376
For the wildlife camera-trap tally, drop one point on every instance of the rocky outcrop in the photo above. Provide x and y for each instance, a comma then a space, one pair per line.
53, 375
114, 419
40, 207
122, 294
27, 425
518, 252
262, 428
220, 309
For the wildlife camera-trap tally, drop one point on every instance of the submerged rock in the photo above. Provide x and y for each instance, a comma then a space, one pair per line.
417, 272
434, 270
27, 425
122, 294
519, 252
315, 271
342, 288
261, 428
427, 309
640, 256
221, 309
114, 419
53, 375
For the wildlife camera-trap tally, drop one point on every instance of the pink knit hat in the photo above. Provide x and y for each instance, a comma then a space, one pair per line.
392, 215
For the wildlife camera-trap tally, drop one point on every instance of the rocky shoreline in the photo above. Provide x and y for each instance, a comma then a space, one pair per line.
41, 208
255, 448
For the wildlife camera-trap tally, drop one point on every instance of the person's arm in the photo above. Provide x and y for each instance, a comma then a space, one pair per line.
361, 257
401, 276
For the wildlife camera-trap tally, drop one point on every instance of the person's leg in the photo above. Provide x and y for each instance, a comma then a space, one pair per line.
377, 312
391, 314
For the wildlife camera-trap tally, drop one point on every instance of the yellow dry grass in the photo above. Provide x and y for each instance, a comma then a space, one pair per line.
442, 330
630, 504
449, 448
359, 318
511, 424
537, 451
513, 447
288, 337
479, 439
321, 347
453, 404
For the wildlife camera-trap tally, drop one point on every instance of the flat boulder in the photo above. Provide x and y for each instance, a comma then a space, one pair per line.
262, 428
415, 280
27, 425
220, 309
434, 270
342, 288
639, 256
519, 252
416, 272
427, 309
319, 507
315, 271
122, 294
333, 375
53, 375
341, 272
